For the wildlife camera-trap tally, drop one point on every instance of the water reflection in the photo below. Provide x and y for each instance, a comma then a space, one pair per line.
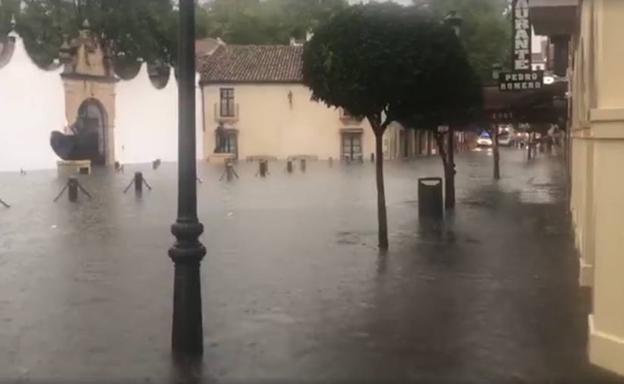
293, 284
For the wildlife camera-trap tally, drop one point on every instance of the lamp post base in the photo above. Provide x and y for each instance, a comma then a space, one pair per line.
187, 253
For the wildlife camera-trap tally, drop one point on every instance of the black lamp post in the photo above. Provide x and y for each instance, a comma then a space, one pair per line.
454, 21
187, 252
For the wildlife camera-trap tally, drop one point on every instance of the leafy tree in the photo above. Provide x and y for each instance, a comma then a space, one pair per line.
383, 62
453, 99
485, 32
132, 31
8, 8
267, 21
42, 25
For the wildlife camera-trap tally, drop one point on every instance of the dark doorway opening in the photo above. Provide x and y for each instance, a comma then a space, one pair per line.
91, 122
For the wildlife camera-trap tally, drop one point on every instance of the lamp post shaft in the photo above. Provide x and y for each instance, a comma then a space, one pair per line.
187, 252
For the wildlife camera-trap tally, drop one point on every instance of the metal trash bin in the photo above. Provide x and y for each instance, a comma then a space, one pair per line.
430, 202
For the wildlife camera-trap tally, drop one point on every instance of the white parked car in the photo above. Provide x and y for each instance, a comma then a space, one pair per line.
484, 140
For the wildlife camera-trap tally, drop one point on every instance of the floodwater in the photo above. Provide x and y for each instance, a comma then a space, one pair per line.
293, 285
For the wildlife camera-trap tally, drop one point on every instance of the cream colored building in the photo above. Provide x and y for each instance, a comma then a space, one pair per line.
256, 93
596, 73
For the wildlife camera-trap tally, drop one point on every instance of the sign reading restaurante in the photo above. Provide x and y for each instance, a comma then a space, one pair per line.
521, 77
521, 35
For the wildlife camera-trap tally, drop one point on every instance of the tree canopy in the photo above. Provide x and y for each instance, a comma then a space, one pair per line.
136, 30
389, 60
267, 21
485, 32
7, 9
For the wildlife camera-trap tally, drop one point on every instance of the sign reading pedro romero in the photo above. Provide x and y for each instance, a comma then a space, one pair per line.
520, 80
521, 35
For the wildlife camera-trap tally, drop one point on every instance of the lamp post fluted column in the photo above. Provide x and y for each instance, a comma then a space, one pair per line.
187, 252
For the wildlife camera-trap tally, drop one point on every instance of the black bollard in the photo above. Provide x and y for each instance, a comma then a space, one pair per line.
229, 170
138, 183
289, 166
119, 168
303, 165
263, 168
156, 164
72, 189
372, 157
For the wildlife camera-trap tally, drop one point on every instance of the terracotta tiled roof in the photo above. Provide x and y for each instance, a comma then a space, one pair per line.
253, 63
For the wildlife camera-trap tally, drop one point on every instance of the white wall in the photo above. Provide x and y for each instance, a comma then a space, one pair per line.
32, 105
146, 126
269, 126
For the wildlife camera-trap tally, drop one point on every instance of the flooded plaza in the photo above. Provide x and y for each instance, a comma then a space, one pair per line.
294, 287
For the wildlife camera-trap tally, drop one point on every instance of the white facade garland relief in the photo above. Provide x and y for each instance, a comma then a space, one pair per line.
32, 105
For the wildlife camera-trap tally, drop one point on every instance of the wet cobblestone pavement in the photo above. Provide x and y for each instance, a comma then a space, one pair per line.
294, 288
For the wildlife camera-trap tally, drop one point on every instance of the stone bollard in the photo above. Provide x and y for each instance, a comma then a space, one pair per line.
372, 157
72, 189
229, 170
156, 164
138, 183
331, 162
289, 166
303, 165
263, 168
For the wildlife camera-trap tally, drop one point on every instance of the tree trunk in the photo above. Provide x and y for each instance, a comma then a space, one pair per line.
449, 174
496, 152
428, 139
381, 191
439, 137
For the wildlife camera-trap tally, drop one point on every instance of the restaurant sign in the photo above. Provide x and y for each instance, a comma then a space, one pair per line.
520, 80
521, 35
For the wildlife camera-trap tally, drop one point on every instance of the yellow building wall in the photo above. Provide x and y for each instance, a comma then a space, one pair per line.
269, 124
597, 196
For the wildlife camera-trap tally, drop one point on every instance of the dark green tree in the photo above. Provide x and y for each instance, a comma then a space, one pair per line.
131, 30
267, 21
485, 32
386, 63
453, 99
43, 25
8, 8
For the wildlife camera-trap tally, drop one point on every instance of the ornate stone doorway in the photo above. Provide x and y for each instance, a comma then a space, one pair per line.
92, 122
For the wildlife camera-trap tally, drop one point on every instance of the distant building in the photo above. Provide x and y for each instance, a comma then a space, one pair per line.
256, 93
